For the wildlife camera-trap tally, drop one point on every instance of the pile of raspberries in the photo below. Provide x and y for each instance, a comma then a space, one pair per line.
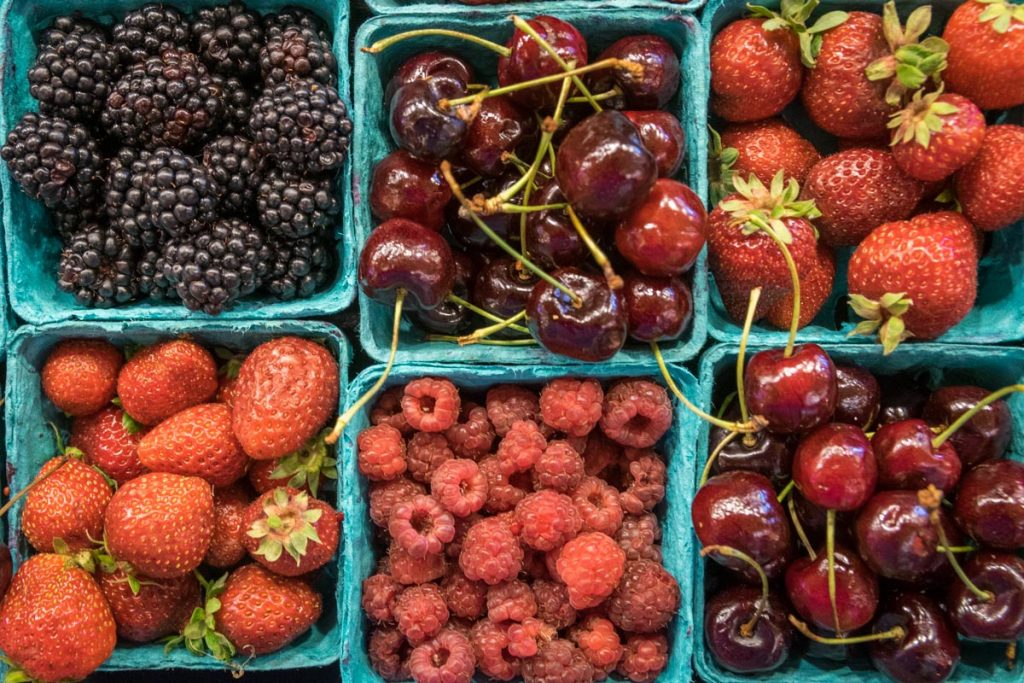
521, 535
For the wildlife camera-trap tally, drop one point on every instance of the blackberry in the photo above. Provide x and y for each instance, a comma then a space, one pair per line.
298, 268
119, 201
97, 265
235, 165
148, 31
167, 100
174, 193
214, 268
229, 39
74, 69
297, 44
292, 207
54, 160
238, 101
68, 223
302, 125
150, 273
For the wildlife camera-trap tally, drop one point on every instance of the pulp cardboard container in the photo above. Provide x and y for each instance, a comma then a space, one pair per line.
34, 245
444, 7
676, 446
373, 142
937, 365
32, 444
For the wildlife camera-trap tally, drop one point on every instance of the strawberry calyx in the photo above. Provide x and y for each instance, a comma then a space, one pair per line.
1001, 14
913, 62
288, 526
764, 209
883, 316
14, 673
305, 467
720, 167
793, 16
232, 362
200, 635
920, 118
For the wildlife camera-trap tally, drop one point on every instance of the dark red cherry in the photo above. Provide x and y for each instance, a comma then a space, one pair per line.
858, 396
990, 504
420, 126
426, 65
764, 453
985, 436
856, 590
814, 521
603, 168
529, 61
999, 619
907, 460
498, 129
740, 509
794, 394
664, 235
551, 239
768, 643
449, 317
902, 399
592, 331
658, 79
663, 137
834, 467
405, 187
659, 308
465, 230
400, 254
930, 649
502, 288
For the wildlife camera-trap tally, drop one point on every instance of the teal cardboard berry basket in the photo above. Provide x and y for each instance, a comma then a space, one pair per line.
937, 365
373, 142
34, 244
443, 8
677, 543
32, 444
995, 317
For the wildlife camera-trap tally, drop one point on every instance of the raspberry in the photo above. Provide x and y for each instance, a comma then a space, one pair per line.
590, 566
526, 639
421, 612
388, 411
425, 453
510, 601
410, 571
381, 453
571, 405
600, 643
430, 405
553, 603
491, 552
559, 467
598, 505
521, 447
639, 536
389, 654
547, 520
600, 454
645, 485
421, 526
508, 403
448, 658
462, 525
646, 599
472, 436
558, 661
644, 658
490, 645
379, 594
637, 413
385, 495
466, 599
503, 492
551, 564
459, 486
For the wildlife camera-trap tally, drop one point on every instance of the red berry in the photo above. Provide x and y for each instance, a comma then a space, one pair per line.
291, 533
510, 601
448, 658
68, 504
227, 547
928, 154
388, 410
459, 486
559, 468
599, 641
385, 495
571, 405
421, 612
425, 453
755, 73
988, 187
503, 491
639, 537
986, 59
465, 598
525, 639
553, 603
590, 565
430, 405
108, 444
598, 505
645, 484
508, 403
421, 526
558, 661
80, 375
547, 520
380, 591
600, 454
636, 413
490, 646
521, 447
161, 607
409, 570
389, 654
381, 454
165, 378
491, 552
763, 148
646, 599
644, 658
196, 442
472, 436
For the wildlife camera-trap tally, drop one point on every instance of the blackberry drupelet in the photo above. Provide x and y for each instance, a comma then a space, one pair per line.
177, 193
237, 167
97, 265
148, 31
292, 207
68, 223
153, 284
297, 44
298, 268
121, 168
302, 125
167, 100
229, 39
55, 161
238, 101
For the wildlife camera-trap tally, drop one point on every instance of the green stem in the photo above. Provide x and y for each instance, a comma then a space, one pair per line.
725, 404
525, 27
609, 63
784, 493
974, 410
755, 296
800, 533
600, 97
485, 342
794, 324
483, 313
600, 258
931, 498
747, 629
830, 555
484, 332
726, 440
385, 43
516, 208
956, 549
895, 633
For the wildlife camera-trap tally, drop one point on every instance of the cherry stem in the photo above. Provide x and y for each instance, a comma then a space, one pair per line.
600, 258
726, 440
956, 548
32, 484
794, 324
516, 208
347, 416
974, 410
747, 629
525, 27
1011, 655
485, 342
800, 533
895, 633
931, 498
784, 493
830, 555
385, 43
484, 332
755, 296
600, 97
483, 313
725, 404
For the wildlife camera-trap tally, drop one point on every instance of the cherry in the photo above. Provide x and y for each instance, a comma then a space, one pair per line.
603, 168
907, 460
405, 187
814, 521
427, 65
659, 78
529, 60
985, 436
999, 615
592, 330
663, 137
659, 308
793, 394
765, 647
449, 317
929, 650
551, 239
401, 254
418, 123
856, 590
498, 129
858, 397
990, 504
502, 288
665, 234
465, 230
761, 452
901, 400
834, 467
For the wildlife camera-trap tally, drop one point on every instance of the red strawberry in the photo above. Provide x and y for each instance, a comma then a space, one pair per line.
80, 375
55, 624
197, 442
261, 612
815, 288
762, 148
289, 532
990, 188
161, 523
287, 390
68, 504
227, 547
936, 134
161, 607
857, 190
295, 470
109, 442
986, 53
166, 378
914, 278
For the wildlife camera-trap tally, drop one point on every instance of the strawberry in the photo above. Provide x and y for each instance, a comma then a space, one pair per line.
936, 134
161, 607
261, 612
165, 378
229, 505
287, 390
755, 72
290, 533
815, 287
857, 190
161, 523
110, 442
761, 148
197, 442
989, 187
55, 624
80, 375
68, 504
914, 278
986, 53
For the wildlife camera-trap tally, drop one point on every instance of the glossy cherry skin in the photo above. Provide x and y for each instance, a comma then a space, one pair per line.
834, 467
1000, 620
501, 288
659, 308
766, 454
663, 137
592, 332
765, 649
400, 254
465, 230
858, 396
985, 436
659, 78
450, 317
928, 652
551, 239
740, 509
990, 504
665, 234
907, 460
794, 394
603, 168
402, 186
902, 399
529, 61
856, 590
420, 126
427, 65
498, 128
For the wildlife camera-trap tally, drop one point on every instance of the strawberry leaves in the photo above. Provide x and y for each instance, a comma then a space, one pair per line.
1001, 14
913, 62
200, 635
761, 208
883, 317
793, 16
288, 526
720, 167
304, 467
919, 119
